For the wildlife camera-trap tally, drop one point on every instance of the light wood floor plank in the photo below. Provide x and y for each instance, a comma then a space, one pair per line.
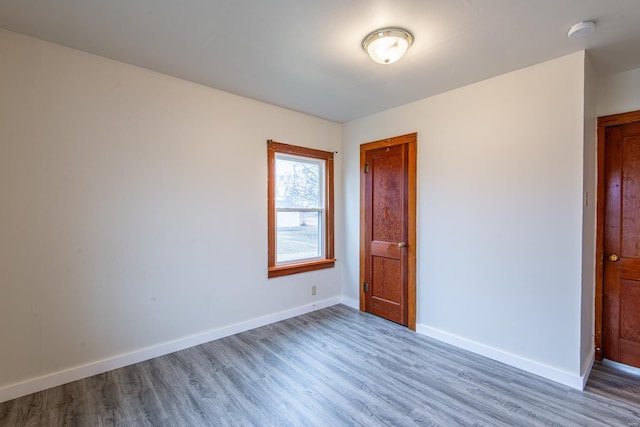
333, 367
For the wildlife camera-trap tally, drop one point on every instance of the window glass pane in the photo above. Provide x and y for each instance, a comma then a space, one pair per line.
299, 182
298, 236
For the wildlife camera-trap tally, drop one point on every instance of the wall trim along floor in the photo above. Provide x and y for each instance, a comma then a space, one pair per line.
62, 377
351, 302
545, 371
79, 372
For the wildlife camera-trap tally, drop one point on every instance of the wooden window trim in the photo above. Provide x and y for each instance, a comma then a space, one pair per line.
328, 261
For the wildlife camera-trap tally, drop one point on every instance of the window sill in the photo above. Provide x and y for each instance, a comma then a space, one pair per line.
285, 270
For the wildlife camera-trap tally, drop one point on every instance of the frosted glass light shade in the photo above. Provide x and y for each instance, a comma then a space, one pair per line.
387, 45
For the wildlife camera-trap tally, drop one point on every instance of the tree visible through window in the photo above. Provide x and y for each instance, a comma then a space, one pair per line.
300, 209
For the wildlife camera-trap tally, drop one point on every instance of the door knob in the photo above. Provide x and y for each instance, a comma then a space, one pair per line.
402, 245
613, 257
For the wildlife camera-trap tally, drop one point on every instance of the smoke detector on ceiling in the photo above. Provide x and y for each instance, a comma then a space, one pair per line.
581, 29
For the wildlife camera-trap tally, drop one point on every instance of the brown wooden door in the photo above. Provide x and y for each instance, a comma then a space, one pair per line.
621, 304
387, 235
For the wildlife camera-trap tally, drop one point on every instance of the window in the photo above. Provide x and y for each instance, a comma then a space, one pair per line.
300, 209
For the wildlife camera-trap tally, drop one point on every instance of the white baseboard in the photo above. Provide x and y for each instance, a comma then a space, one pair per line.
350, 302
548, 372
587, 366
79, 372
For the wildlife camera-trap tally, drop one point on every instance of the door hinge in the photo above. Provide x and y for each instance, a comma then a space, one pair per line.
366, 167
366, 287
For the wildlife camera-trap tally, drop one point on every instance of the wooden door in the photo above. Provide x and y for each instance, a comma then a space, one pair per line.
387, 232
621, 302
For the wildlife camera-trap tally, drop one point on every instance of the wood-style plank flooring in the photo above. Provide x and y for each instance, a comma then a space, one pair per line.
333, 367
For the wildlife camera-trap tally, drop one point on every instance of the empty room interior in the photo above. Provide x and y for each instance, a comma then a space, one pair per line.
320, 213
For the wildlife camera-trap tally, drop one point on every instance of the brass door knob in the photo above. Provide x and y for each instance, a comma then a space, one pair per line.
402, 245
613, 257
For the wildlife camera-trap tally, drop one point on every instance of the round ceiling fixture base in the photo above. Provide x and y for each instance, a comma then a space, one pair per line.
581, 29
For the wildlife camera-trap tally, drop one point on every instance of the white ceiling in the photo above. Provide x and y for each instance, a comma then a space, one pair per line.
306, 55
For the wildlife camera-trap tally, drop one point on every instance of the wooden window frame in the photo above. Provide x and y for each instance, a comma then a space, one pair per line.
275, 270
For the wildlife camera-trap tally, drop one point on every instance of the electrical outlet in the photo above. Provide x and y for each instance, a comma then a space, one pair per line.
313, 290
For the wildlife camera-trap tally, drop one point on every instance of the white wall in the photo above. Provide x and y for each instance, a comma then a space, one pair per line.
587, 351
619, 93
500, 183
133, 209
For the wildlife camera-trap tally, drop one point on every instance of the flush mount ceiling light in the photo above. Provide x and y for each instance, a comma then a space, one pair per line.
581, 29
387, 45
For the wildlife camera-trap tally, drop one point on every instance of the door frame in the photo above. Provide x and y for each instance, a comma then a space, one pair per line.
411, 140
603, 123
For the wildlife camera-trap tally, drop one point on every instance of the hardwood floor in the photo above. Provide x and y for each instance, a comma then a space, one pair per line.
333, 367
